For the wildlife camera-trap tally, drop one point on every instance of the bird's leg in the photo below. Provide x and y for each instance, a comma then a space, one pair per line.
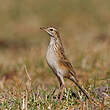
62, 86
62, 91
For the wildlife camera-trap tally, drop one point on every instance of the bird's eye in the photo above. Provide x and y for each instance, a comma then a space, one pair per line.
51, 29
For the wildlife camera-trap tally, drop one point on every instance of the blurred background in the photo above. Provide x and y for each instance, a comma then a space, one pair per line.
84, 27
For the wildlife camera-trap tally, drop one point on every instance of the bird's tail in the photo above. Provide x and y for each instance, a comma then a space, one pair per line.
92, 101
78, 85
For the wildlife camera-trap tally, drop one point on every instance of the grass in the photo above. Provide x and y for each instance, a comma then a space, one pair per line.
20, 92
26, 82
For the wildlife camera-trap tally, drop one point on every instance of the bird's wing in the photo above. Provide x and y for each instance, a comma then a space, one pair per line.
65, 62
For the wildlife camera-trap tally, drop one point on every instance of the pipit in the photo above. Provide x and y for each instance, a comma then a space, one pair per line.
58, 62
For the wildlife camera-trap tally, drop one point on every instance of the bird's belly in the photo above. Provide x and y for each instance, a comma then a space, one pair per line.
51, 60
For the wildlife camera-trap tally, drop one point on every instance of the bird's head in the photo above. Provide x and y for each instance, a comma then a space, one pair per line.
51, 31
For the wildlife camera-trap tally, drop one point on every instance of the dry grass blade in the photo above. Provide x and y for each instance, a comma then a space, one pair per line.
29, 83
27, 73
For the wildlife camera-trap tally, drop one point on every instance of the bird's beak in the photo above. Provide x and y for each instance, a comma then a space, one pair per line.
43, 28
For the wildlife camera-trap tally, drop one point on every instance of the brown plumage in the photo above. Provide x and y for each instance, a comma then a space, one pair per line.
57, 60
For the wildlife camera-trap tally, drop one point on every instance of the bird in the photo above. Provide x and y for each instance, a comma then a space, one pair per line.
58, 62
